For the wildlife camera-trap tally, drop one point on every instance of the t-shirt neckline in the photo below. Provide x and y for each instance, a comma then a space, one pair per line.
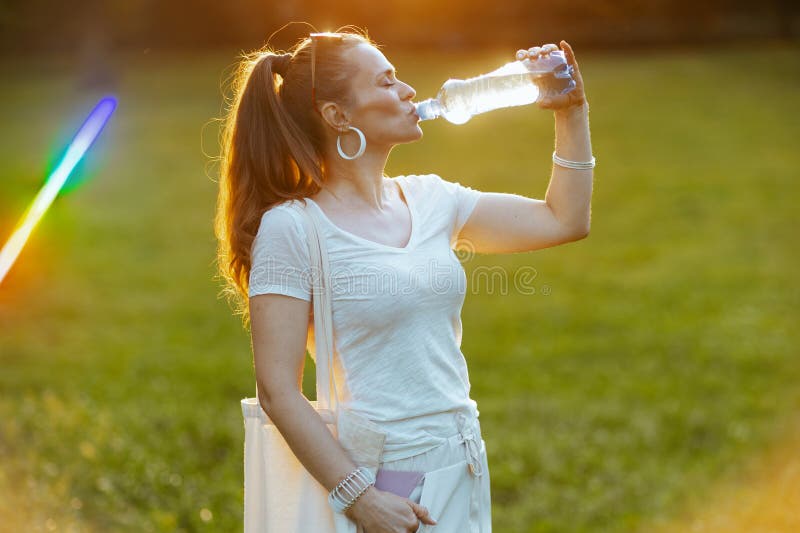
412, 215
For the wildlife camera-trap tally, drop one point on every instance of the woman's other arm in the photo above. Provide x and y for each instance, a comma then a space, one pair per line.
279, 331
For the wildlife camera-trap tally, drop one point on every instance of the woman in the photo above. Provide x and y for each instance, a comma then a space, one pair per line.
318, 124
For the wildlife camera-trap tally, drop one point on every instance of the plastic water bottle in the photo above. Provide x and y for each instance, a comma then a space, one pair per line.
517, 83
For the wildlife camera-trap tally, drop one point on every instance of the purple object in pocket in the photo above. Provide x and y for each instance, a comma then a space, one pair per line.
400, 482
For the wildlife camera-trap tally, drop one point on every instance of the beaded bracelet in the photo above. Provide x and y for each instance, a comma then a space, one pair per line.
354, 485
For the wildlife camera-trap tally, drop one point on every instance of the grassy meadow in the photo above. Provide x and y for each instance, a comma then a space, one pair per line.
654, 361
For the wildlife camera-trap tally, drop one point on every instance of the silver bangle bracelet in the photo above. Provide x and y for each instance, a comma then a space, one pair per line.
354, 485
350, 489
579, 165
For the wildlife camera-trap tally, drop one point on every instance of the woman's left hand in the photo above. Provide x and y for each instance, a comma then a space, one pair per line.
559, 102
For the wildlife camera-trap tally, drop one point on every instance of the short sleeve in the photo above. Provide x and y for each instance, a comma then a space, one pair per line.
462, 201
280, 259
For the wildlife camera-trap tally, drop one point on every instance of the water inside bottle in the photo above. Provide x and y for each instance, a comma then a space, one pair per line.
488, 93
513, 84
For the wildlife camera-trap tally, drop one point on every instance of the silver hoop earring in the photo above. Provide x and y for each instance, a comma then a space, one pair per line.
361, 148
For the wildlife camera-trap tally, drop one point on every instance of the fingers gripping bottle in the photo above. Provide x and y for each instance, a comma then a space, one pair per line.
514, 84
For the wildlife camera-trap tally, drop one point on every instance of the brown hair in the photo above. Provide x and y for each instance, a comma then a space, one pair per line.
272, 145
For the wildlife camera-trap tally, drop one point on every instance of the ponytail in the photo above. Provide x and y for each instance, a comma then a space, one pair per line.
272, 143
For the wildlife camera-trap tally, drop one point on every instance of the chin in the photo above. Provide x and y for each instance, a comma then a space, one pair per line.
413, 137
417, 136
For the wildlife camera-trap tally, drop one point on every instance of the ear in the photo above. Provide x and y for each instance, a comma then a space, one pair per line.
333, 114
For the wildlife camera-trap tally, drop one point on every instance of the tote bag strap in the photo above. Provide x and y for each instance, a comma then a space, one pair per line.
323, 311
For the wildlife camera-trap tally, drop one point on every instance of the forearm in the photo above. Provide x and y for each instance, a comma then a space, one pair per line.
310, 439
569, 193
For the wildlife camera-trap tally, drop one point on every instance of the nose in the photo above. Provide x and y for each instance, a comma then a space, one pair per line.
412, 94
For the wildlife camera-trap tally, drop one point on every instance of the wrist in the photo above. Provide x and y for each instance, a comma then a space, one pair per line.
364, 501
572, 112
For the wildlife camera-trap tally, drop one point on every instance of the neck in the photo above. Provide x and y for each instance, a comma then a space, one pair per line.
360, 183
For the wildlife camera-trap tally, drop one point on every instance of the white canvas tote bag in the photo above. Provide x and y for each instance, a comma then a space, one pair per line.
280, 495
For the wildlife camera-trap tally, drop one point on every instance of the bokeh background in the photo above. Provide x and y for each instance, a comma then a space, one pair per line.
651, 382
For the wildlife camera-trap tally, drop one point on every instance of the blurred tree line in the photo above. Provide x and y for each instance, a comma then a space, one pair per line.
83, 27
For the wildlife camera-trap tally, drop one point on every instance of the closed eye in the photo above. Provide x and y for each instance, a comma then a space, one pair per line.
390, 74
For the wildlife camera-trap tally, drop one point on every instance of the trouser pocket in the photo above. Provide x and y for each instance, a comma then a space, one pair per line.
446, 493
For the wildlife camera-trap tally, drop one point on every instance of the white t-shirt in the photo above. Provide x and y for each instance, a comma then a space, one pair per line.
396, 311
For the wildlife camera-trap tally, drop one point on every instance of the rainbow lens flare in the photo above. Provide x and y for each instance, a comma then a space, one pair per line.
85, 137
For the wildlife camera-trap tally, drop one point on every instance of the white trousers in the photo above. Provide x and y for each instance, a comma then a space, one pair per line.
455, 488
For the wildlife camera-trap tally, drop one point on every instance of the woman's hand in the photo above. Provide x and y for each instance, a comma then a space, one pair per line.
378, 511
559, 102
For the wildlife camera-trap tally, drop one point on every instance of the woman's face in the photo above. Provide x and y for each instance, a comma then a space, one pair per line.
382, 106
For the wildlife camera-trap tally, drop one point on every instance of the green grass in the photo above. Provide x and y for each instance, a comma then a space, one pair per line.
654, 357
